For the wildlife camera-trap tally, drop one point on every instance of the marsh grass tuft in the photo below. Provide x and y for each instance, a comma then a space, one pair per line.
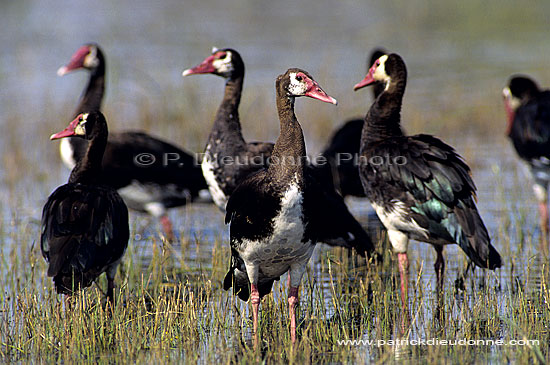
172, 308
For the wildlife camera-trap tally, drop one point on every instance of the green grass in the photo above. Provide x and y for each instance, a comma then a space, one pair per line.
171, 308
170, 303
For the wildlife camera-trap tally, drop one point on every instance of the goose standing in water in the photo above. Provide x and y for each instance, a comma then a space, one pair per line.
277, 214
84, 222
528, 111
419, 186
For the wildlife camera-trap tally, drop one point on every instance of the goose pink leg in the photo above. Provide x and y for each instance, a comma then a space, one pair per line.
403, 260
292, 302
167, 227
255, 301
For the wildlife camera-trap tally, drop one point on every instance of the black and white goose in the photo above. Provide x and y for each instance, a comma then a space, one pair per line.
419, 186
278, 214
84, 222
150, 174
342, 151
229, 159
528, 110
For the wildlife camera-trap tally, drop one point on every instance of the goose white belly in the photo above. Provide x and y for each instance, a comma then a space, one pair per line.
401, 228
396, 219
149, 197
285, 246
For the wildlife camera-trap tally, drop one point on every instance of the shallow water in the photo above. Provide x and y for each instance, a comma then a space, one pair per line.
459, 56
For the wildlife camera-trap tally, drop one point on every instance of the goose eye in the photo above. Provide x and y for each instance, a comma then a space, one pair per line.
298, 78
377, 63
223, 56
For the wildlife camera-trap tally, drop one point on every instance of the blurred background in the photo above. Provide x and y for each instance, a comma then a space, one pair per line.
459, 56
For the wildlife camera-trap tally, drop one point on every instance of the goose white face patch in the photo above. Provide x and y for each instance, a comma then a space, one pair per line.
513, 101
297, 87
380, 72
224, 66
91, 60
80, 129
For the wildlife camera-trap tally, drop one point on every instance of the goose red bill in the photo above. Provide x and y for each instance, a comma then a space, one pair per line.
316, 92
205, 67
76, 61
365, 82
69, 131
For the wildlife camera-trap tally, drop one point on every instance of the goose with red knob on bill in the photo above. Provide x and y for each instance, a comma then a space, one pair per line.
342, 150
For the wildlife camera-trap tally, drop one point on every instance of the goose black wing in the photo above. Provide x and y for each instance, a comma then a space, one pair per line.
434, 185
341, 159
135, 155
249, 211
84, 229
329, 220
530, 131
